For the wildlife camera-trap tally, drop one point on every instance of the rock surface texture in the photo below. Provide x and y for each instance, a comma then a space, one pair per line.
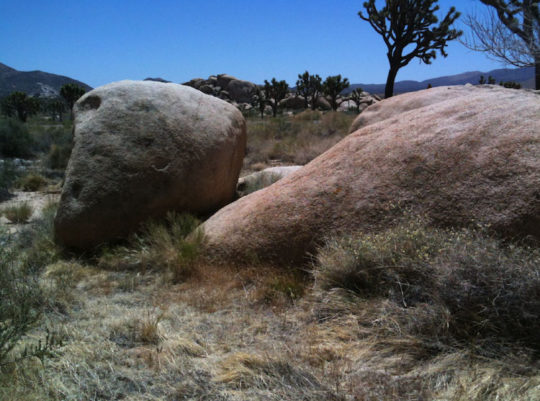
142, 149
458, 155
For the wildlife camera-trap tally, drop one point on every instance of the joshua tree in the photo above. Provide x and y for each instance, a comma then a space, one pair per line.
315, 83
309, 86
259, 101
274, 92
55, 107
356, 97
510, 33
19, 105
71, 93
406, 23
332, 87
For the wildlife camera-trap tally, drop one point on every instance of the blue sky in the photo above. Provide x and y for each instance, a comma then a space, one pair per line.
103, 41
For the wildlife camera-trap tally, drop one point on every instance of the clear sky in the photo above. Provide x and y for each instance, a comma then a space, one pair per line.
101, 41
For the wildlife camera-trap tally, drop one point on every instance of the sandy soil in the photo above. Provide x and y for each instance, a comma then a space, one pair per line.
37, 200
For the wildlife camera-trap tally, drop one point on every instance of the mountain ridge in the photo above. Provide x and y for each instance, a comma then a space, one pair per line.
34, 83
523, 76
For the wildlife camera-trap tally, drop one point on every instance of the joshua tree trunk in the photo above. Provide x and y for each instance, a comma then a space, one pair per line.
389, 88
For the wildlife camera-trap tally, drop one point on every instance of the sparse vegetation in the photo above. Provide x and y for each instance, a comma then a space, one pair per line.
172, 247
18, 214
294, 139
32, 182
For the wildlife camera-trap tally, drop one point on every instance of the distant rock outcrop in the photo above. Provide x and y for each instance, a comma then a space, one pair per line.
144, 148
226, 87
457, 155
33, 83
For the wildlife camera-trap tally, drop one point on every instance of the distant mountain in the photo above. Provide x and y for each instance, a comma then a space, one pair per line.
524, 76
35, 83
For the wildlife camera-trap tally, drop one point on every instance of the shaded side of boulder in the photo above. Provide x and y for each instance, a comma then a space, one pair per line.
323, 104
293, 103
241, 91
471, 158
142, 149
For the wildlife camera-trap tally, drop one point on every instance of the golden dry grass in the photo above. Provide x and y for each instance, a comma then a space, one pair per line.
294, 139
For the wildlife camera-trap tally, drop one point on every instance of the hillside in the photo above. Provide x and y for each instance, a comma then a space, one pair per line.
524, 76
33, 82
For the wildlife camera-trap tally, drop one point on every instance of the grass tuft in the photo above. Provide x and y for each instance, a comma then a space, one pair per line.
32, 182
18, 214
172, 246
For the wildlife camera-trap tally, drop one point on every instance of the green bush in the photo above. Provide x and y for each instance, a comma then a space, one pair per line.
15, 140
21, 300
472, 286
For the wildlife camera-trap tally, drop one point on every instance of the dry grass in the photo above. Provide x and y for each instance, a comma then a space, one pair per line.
413, 313
32, 182
172, 247
216, 336
294, 139
457, 286
18, 214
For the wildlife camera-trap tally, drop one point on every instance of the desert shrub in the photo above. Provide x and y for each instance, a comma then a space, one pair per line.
58, 156
172, 246
32, 182
20, 308
35, 243
18, 213
15, 140
471, 286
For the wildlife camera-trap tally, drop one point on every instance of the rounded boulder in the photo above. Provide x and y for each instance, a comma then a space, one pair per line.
457, 156
142, 149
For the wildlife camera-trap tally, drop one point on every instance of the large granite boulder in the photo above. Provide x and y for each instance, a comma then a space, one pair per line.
142, 149
463, 155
